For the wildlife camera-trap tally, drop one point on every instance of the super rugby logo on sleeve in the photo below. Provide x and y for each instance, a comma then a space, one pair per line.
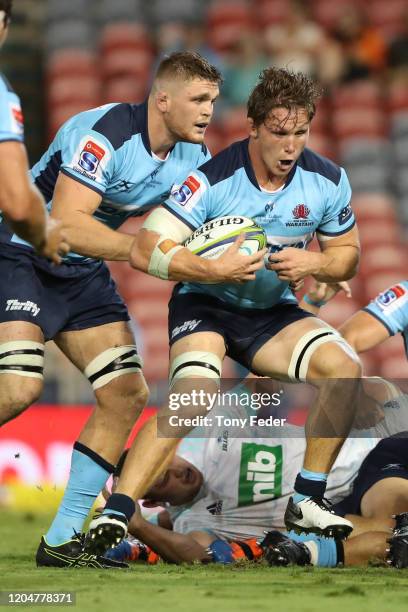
392, 298
17, 120
345, 214
90, 158
188, 194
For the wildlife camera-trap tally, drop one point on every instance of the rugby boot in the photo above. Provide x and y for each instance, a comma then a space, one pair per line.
314, 515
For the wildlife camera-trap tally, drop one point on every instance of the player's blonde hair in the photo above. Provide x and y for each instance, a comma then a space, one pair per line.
187, 65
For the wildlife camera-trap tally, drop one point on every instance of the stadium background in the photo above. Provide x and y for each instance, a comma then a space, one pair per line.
64, 57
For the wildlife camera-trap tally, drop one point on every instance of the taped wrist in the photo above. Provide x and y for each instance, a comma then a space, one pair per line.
160, 260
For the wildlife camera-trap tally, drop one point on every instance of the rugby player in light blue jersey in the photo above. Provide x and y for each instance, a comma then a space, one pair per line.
21, 204
104, 165
293, 193
385, 316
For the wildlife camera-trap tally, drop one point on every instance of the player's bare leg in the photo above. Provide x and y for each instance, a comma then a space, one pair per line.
330, 419
151, 452
385, 498
21, 361
108, 356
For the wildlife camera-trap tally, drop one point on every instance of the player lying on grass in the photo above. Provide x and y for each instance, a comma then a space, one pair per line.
198, 534
237, 488
291, 192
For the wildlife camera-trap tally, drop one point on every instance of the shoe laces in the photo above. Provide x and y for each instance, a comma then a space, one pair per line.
79, 536
323, 503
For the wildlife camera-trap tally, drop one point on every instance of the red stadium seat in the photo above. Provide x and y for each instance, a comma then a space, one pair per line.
127, 62
364, 94
225, 21
388, 17
398, 97
121, 35
348, 122
339, 310
269, 12
72, 61
74, 88
374, 206
124, 89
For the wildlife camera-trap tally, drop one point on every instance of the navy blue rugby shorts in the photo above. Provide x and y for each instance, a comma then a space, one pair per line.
61, 298
389, 459
245, 330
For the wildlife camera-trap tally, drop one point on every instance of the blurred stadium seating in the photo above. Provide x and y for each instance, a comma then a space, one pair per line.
98, 51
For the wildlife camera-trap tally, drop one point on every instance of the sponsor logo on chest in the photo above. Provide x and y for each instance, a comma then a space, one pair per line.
260, 476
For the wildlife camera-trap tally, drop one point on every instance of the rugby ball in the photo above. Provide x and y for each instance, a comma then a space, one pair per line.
213, 238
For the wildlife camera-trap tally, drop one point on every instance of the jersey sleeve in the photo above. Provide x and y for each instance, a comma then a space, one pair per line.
391, 308
191, 201
11, 116
87, 157
338, 217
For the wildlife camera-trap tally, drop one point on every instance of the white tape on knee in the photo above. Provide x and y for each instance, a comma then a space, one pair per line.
306, 346
160, 261
195, 363
112, 363
23, 358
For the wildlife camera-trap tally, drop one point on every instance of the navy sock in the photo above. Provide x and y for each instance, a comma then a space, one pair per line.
309, 484
120, 504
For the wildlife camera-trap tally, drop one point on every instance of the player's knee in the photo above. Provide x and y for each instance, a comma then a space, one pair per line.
18, 396
125, 396
338, 361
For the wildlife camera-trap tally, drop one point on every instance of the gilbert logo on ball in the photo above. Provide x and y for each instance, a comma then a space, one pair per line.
214, 237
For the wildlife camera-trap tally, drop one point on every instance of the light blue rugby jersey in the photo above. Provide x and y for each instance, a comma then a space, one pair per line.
391, 308
108, 150
11, 118
316, 197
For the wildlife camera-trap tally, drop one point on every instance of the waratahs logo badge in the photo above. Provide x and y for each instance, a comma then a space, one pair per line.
301, 211
300, 216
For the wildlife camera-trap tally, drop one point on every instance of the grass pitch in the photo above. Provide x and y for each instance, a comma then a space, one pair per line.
195, 588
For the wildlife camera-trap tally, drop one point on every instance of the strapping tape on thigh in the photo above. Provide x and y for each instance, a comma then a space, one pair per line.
23, 358
112, 363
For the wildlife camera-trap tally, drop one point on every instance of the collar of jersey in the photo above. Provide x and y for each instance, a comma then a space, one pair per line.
140, 117
250, 171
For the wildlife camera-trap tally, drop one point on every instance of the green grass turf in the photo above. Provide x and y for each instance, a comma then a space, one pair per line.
199, 588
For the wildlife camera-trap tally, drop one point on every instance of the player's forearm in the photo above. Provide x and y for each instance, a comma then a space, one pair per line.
171, 546
28, 216
184, 266
89, 237
337, 264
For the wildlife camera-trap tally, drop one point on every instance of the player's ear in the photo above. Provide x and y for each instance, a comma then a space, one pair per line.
162, 100
253, 130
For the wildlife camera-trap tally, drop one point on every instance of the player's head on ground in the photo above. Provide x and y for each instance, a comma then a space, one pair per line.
184, 90
280, 109
177, 486
5, 15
